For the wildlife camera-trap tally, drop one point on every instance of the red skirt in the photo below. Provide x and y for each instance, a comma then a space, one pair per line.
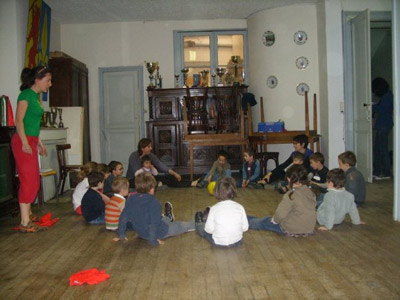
28, 168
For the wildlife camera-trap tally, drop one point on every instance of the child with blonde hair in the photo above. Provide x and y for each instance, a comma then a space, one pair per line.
83, 185
114, 207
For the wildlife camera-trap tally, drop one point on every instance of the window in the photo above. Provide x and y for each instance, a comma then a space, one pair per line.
207, 51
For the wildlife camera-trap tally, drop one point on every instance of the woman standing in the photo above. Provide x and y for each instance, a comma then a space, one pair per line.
26, 142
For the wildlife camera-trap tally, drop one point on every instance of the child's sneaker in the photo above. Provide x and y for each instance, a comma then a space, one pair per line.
205, 213
168, 211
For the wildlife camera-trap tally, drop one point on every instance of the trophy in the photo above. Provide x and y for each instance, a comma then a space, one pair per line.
220, 72
151, 67
213, 75
45, 119
60, 124
204, 78
52, 117
184, 72
235, 60
177, 85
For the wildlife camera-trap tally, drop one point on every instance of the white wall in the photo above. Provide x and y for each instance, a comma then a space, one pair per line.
13, 25
127, 44
283, 102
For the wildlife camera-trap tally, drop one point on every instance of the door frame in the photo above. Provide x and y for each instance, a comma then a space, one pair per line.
102, 71
348, 70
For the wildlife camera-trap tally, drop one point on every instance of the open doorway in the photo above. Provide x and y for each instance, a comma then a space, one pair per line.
381, 67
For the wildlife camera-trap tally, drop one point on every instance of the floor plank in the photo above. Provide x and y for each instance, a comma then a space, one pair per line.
349, 262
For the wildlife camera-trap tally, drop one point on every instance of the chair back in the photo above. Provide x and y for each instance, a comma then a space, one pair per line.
61, 156
227, 111
196, 107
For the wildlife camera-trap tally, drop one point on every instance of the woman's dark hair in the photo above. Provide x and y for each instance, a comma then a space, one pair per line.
296, 174
225, 188
143, 143
301, 139
337, 177
379, 86
28, 76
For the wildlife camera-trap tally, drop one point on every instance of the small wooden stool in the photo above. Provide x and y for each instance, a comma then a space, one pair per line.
44, 174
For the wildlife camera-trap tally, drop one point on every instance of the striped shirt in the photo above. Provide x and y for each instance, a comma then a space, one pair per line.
113, 210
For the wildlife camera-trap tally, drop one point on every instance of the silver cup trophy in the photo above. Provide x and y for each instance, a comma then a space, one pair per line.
220, 72
151, 67
52, 117
60, 124
184, 72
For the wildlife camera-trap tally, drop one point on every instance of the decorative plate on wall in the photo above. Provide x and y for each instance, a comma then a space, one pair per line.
302, 88
268, 38
300, 37
302, 62
272, 81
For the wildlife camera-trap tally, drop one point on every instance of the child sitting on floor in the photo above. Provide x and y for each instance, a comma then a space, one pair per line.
226, 220
114, 207
318, 173
147, 166
116, 169
143, 212
83, 185
300, 143
93, 202
250, 171
220, 168
355, 182
295, 215
283, 186
337, 203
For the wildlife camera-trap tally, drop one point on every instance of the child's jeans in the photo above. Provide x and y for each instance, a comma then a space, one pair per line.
200, 230
177, 228
264, 224
98, 220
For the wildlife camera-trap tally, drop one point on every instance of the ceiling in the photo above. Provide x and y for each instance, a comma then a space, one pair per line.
102, 11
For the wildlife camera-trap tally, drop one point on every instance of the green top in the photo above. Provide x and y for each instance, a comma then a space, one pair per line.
33, 113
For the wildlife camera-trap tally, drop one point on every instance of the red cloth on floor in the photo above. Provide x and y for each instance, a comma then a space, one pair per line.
46, 221
91, 276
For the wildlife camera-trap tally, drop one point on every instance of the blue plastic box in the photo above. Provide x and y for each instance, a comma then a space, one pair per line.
271, 126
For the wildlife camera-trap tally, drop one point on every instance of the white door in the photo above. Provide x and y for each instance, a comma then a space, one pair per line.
362, 93
121, 112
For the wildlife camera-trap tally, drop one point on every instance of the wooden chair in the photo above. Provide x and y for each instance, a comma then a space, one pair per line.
227, 111
197, 111
64, 167
264, 157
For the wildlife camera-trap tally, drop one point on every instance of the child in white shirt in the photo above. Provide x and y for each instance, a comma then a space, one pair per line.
83, 185
226, 220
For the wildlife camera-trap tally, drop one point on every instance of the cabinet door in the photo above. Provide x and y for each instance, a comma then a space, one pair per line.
166, 143
166, 108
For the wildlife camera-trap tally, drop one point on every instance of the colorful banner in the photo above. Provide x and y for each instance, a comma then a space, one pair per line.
38, 34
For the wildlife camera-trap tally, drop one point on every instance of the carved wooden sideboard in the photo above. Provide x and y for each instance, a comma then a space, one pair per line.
166, 129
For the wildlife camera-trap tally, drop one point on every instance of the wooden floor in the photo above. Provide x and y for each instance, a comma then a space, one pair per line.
350, 262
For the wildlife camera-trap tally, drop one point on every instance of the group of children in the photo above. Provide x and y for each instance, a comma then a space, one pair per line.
302, 178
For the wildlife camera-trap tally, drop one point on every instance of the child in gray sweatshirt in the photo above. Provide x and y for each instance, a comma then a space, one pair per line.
337, 203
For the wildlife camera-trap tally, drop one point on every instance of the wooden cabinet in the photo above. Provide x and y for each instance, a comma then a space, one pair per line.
8, 191
166, 129
70, 88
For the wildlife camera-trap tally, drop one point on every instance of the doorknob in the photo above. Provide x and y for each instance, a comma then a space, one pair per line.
366, 104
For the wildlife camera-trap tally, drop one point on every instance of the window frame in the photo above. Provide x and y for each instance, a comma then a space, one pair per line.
178, 48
